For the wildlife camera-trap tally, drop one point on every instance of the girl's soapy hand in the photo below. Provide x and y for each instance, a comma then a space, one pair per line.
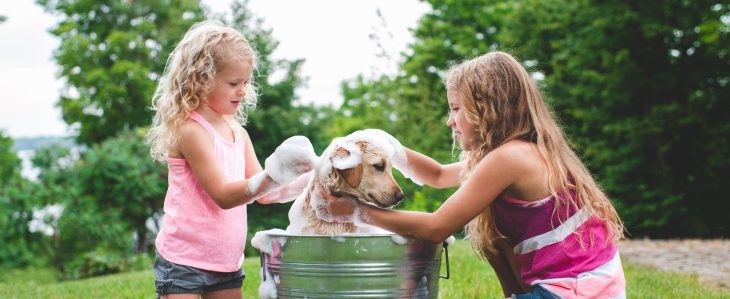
334, 208
294, 157
400, 158
399, 152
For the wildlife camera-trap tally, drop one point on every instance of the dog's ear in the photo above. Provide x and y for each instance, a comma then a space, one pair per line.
352, 175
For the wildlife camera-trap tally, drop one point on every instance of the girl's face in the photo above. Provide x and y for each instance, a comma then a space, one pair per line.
230, 85
463, 132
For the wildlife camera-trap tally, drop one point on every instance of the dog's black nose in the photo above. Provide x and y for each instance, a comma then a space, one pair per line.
399, 195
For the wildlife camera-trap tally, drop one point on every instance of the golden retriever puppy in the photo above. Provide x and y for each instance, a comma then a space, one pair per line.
357, 165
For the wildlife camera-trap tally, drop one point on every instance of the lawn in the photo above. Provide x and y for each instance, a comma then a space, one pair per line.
470, 278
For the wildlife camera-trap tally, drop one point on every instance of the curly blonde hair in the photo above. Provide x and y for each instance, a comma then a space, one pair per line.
189, 75
503, 103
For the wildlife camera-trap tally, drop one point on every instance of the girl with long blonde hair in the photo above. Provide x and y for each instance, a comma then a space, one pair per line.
530, 206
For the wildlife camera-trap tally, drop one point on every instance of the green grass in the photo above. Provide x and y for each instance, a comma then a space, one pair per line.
470, 278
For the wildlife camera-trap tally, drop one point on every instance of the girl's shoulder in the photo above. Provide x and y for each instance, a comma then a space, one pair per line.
517, 151
192, 132
191, 127
242, 131
515, 156
527, 168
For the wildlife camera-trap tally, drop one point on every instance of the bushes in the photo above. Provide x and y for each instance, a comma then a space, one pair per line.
102, 262
98, 262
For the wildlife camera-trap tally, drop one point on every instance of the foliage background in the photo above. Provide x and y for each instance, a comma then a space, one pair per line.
641, 89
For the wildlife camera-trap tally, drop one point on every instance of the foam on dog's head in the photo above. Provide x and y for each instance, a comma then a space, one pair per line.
343, 167
374, 139
346, 156
349, 142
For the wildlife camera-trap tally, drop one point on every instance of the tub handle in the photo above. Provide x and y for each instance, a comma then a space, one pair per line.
448, 271
263, 265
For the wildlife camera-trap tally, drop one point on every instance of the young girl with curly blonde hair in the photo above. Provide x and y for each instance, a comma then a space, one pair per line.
200, 103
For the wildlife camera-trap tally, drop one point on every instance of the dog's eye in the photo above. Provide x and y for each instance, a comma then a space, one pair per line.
379, 167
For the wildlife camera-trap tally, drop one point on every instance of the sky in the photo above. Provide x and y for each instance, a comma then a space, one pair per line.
333, 37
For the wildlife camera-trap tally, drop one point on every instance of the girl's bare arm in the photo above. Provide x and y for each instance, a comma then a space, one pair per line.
195, 146
432, 173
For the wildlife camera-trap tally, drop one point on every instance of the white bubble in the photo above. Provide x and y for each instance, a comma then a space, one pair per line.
398, 239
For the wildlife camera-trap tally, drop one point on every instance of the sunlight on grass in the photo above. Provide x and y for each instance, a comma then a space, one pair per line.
470, 278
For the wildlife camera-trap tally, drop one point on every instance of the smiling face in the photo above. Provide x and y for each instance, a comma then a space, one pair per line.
463, 131
230, 85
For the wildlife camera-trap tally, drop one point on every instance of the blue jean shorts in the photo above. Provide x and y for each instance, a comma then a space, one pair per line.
537, 293
171, 278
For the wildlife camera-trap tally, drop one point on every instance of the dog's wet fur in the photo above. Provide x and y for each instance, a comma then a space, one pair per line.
371, 182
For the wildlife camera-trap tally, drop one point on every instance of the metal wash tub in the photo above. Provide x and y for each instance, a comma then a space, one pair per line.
353, 266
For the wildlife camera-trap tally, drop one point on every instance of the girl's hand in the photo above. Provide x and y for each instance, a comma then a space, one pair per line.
399, 152
335, 208
400, 157
294, 157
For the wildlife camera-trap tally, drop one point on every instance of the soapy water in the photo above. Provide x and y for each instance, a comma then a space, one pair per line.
294, 157
267, 288
398, 239
320, 207
255, 182
398, 156
276, 193
351, 160
338, 238
262, 241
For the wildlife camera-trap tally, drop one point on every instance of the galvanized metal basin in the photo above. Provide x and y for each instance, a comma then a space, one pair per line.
353, 266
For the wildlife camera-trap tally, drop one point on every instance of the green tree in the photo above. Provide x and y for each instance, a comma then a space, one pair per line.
16, 210
111, 54
412, 105
107, 192
642, 88
9, 162
117, 175
21, 246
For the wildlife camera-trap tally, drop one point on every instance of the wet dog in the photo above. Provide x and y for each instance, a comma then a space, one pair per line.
357, 165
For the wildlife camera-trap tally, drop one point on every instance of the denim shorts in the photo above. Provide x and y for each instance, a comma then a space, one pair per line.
171, 278
537, 293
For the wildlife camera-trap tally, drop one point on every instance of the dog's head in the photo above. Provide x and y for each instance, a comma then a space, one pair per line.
361, 168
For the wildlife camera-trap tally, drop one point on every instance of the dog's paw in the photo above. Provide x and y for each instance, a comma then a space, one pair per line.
294, 157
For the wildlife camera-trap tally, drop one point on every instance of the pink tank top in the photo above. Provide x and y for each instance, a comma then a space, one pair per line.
196, 232
554, 249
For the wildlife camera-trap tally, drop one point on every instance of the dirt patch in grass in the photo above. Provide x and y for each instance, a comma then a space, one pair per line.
709, 259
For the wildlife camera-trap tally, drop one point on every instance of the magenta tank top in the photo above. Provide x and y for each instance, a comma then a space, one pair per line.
554, 249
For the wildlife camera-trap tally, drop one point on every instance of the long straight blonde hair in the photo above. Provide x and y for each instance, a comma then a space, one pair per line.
189, 75
504, 103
